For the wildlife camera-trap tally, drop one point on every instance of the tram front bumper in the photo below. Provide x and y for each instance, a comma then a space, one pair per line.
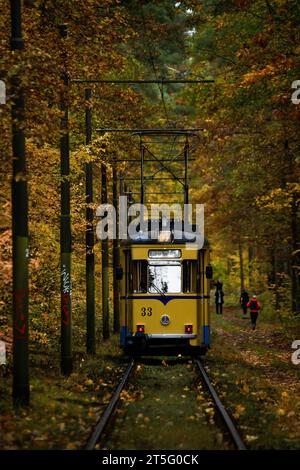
156, 344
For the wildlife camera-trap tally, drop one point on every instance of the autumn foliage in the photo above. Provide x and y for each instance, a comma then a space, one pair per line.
247, 162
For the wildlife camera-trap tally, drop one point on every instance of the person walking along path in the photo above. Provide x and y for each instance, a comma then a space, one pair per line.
244, 299
254, 306
219, 298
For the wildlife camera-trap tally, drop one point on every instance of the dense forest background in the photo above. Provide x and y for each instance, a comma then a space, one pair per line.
246, 167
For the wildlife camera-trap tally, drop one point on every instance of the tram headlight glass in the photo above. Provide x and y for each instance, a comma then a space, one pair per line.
164, 236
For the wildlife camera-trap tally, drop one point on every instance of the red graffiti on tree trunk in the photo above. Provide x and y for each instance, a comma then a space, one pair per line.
20, 326
65, 309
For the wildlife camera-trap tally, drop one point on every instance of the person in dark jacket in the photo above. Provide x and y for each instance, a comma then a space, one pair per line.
219, 298
244, 299
254, 306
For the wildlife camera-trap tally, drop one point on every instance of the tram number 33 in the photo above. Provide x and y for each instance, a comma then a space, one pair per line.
146, 311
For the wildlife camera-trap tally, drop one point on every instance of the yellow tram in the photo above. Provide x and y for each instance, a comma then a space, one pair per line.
164, 296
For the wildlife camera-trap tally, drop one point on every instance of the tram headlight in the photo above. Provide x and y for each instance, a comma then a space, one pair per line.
164, 236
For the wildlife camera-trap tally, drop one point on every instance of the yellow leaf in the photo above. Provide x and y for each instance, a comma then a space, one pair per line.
239, 410
106, 397
210, 411
245, 389
71, 446
250, 438
191, 418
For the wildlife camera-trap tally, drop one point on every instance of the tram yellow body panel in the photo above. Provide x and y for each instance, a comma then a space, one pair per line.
149, 313
142, 252
173, 306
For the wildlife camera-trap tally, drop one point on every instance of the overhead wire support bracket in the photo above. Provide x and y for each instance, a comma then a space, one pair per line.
150, 177
119, 160
152, 194
133, 82
166, 131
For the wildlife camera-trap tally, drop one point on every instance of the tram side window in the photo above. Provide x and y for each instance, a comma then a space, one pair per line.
189, 276
139, 276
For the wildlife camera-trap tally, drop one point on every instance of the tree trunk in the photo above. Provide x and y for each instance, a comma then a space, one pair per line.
229, 263
242, 276
295, 257
250, 259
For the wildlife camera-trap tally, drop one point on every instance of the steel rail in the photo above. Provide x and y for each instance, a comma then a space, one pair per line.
103, 421
225, 416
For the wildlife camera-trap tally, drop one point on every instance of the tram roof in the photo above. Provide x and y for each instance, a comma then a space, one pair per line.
165, 232
149, 238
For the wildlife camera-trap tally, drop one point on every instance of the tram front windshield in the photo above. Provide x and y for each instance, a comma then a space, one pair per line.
164, 277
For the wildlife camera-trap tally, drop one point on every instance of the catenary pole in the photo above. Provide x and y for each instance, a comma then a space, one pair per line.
105, 258
186, 176
65, 221
90, 257
19, 223
116, 258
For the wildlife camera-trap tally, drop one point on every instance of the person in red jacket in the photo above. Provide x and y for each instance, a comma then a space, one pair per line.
254, 306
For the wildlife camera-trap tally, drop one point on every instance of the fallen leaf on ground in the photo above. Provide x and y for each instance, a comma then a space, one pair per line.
251, 438
239, 410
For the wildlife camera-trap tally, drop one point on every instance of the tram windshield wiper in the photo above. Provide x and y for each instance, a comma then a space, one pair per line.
157, 289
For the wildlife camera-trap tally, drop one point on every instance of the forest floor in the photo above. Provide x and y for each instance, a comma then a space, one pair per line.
165, 407
256, 379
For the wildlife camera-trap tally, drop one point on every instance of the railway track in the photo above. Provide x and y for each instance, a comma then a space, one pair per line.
233, 432
105, 417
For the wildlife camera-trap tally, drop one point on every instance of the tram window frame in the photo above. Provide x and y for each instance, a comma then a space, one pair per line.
189, 276
139, 274
164, 264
